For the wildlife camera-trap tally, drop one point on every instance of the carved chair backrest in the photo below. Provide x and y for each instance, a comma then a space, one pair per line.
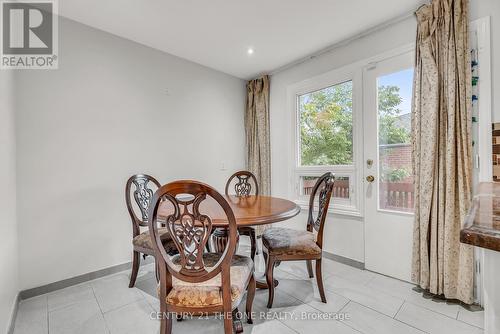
246, 182
190, 229
322, 192
139, 192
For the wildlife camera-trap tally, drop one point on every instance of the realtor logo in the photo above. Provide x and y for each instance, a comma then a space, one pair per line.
29, 34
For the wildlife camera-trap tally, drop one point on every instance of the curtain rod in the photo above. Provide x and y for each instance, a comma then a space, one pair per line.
344, 42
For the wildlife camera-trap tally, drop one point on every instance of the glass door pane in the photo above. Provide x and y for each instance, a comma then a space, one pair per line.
396, 189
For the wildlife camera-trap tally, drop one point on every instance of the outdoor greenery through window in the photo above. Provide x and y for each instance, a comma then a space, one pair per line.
325, 120
396, 190
328, 138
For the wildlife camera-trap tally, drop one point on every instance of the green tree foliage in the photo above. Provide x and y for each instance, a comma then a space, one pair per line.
391, 131
326, 124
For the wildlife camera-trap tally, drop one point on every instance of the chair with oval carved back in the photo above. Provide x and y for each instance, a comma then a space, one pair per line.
138, 195
194, 281
243, 187
284, 244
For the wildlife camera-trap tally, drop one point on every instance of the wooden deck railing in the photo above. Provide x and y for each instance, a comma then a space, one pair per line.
397, 196
340, 188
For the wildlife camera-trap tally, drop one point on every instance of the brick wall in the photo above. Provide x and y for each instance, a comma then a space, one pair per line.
396, 156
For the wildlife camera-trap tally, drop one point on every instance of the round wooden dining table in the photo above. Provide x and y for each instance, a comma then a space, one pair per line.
250, 210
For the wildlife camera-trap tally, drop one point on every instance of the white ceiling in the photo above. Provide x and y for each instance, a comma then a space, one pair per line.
218, 33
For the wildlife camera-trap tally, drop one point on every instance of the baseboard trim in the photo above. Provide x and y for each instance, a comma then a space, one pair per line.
15, 308
41, 290
344, 260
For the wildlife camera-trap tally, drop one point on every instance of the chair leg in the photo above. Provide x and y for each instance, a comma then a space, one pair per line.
237, 324
270, 280
228, 322
253, 244
257, 252
310, 268
319, 279
250, 296
136, 261
157, 271
166, 325
166, 319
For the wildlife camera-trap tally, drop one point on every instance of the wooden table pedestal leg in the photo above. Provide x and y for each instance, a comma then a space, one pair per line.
220, 239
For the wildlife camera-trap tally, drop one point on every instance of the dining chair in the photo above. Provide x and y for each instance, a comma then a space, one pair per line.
138, 195
194, 281
243, 187
284, 244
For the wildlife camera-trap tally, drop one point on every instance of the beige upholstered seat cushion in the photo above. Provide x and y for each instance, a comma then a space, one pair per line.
209, 293
143, 240
285, 241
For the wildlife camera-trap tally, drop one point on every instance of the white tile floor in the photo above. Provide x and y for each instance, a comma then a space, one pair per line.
370, 304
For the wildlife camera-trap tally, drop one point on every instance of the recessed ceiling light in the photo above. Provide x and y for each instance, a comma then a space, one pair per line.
250, 51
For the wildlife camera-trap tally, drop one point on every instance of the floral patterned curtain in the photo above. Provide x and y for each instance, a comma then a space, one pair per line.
442, 148
258, 133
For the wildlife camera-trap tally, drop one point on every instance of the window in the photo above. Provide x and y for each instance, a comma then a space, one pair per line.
396, 189
325, 121
355, 122
325, 141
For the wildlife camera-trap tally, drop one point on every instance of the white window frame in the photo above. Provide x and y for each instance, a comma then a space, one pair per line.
482, 28
353, 206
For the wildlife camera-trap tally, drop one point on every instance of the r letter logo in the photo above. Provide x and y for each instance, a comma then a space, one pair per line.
29, 34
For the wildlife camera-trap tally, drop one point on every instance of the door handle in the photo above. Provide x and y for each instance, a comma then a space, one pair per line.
370, 178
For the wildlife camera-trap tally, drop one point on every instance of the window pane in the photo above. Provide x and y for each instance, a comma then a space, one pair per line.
325, 118
340, 187
396, 190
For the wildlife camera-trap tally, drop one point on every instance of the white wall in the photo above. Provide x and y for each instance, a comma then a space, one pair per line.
344, 235
9, 246
105, 114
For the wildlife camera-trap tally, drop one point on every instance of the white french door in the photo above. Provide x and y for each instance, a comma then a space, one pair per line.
388, 178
